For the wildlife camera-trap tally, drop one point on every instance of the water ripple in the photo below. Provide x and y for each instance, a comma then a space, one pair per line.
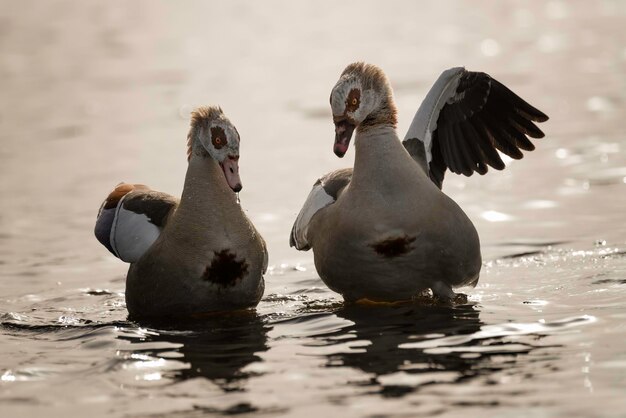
489, 332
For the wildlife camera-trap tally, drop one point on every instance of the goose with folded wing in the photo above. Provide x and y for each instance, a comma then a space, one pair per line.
194, 255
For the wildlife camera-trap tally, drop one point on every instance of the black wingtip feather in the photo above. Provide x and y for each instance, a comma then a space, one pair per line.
527, 126
486, 145
484, 117
446, 151
466, 157
500, 139
482, 169
520, 140
437, 167
465, 131
518, 103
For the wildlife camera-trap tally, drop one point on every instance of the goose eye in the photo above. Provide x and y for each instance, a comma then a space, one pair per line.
218, 137
354, 101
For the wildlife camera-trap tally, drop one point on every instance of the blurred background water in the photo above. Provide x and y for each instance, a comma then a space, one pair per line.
94, 93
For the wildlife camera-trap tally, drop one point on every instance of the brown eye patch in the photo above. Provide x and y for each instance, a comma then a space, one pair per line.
218, 137
354, 100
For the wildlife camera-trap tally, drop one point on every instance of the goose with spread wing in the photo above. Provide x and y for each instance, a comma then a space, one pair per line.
384, 230
192, 255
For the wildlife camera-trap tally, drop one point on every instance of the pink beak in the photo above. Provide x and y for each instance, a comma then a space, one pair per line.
343, 134
231, 172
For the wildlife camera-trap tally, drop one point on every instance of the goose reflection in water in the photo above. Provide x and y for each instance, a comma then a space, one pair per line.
217, 347
405, 347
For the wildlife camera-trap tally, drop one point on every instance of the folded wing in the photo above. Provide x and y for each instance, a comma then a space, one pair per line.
131, 218
325, 192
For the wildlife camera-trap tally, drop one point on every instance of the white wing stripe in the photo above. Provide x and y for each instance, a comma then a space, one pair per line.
317, 199
131, 233
425, 120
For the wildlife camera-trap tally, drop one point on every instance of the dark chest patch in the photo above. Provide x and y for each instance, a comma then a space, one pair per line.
225, 269
393, 247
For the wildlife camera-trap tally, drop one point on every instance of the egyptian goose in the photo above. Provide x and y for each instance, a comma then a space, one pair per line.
197, 254
384, 230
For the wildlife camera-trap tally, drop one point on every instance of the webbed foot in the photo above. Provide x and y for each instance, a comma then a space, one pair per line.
445, 294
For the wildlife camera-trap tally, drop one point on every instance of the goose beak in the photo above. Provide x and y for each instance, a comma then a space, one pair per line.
231, 171
343, 134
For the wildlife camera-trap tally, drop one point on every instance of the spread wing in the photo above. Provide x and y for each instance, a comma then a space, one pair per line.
325, 192
131, 218
465, 119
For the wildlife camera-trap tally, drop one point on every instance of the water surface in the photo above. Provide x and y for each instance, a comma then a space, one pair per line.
96, 93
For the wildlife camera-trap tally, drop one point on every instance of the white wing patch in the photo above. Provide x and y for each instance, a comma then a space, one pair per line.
131, 234
317, 199
425, 120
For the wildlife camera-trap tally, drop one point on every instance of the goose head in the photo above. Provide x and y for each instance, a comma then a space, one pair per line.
212, 135
362, 98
